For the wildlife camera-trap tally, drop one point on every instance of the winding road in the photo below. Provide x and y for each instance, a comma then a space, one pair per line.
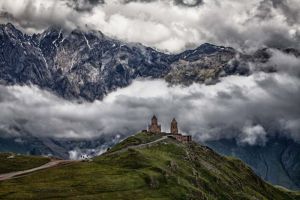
138, 146
50, 164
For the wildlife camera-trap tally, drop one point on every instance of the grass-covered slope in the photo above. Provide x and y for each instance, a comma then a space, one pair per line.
163, 170
10, 162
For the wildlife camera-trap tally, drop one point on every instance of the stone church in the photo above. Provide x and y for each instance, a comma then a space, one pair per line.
174, 128
154, 127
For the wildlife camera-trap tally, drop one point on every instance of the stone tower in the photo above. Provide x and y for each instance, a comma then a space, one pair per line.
154, 127
174, 128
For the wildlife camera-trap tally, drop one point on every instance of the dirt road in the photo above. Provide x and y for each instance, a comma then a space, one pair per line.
55, 163
50, 164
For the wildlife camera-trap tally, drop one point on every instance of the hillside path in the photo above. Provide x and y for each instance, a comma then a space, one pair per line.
52, 163
138, 146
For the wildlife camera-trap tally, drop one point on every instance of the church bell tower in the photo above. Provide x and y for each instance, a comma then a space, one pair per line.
174, 128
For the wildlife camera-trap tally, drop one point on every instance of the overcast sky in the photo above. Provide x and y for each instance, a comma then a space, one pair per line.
170, 25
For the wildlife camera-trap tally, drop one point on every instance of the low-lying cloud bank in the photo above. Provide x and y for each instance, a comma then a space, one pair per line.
248, 109
171, 25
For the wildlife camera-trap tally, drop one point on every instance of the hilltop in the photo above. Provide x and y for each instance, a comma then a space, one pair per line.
147, 166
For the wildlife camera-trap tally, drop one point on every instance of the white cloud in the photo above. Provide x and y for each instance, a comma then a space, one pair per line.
285, 63
171, 26
253, 135
209, 112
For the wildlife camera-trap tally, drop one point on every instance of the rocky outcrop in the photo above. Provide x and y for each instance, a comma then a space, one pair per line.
205, 65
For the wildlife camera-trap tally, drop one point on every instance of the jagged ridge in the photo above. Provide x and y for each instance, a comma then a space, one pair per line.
89, 65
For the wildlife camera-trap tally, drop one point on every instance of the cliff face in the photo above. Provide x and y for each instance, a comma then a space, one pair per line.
76, 64
88, 65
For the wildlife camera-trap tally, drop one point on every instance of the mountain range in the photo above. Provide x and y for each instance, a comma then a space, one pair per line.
87, 65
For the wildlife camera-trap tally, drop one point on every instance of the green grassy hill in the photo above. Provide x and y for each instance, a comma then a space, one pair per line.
163, 170
10, 162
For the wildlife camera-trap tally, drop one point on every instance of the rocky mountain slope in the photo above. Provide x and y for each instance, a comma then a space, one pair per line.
166, 169
276, 162
88, 65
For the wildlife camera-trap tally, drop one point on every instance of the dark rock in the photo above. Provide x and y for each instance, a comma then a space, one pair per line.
89, 65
